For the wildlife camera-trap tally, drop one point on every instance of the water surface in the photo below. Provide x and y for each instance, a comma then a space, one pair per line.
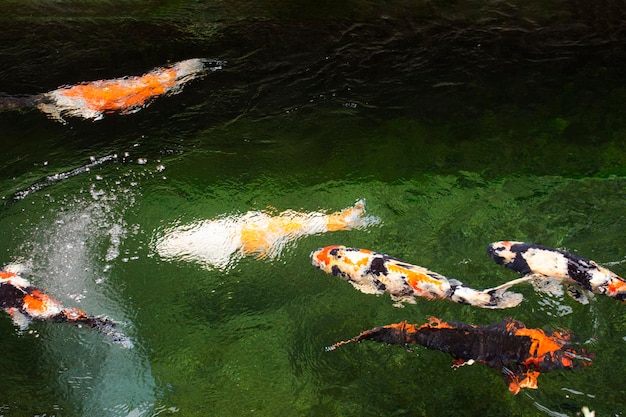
460, 126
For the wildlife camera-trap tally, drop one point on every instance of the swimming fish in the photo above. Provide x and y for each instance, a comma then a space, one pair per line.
543, 263
26, 303
376, 273
519, 353
125, 95
217, 243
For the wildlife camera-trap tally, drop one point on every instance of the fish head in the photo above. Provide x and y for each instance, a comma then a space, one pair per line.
512, 255
502, 252
340, 261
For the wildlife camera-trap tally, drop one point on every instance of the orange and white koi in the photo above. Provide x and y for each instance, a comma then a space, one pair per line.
125, 95
542, 263
519, 353
216, 243
26, 303
376, 273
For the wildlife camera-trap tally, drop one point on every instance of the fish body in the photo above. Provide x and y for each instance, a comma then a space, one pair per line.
519, 353
376, 273
542, 262
26, 303
125, 95
216, 243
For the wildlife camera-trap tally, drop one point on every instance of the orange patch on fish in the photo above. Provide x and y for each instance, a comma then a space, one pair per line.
113, 95
413, 278
617, 285
36, 301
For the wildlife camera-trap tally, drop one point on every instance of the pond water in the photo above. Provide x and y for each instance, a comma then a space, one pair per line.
459, 125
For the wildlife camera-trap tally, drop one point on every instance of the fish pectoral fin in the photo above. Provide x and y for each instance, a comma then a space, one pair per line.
20, 320
530, 381
399, 300
518, 380
511, 379
548, 284
578, 294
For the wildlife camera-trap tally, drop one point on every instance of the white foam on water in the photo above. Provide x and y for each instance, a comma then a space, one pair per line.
72, 251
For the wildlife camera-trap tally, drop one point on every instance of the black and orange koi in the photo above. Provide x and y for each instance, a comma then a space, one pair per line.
125, 95
376, 273
542, 262
26, 303
519, 353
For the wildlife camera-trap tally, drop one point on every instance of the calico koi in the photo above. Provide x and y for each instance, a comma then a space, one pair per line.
542, 263
519, 353
215, 243
125, 95
26, 303
376, 273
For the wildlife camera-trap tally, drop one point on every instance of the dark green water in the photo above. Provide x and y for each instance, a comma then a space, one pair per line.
459, 124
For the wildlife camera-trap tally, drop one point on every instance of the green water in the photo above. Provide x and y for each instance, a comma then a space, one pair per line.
452, 148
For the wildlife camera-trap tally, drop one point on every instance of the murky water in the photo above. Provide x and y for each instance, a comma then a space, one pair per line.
456, 131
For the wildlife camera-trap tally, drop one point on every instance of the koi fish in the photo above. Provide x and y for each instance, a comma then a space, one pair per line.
543, 263
376, 273
26, 303
215, 243
519, 353
126, 95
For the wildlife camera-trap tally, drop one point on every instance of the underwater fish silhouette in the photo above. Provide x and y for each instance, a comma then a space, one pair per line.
376, 273
26, 303
217, 243
125, 95
519, 353
542, 263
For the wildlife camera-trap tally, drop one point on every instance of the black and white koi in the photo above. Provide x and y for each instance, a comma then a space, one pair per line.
376, 273
542, 262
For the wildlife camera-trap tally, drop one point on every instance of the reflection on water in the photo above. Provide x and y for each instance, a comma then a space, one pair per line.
52, 179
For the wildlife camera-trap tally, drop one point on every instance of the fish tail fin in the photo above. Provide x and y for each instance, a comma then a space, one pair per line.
339, 344
497, 297
501, 298
102, 324
393, 334
351, 218
368, 334
13, 103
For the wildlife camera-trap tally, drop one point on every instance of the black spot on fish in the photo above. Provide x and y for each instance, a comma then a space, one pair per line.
336, 271
12, 296
518, 263
377, 267
493, 253
379, 285
333, 252
579, 273
620, 296
450, 294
